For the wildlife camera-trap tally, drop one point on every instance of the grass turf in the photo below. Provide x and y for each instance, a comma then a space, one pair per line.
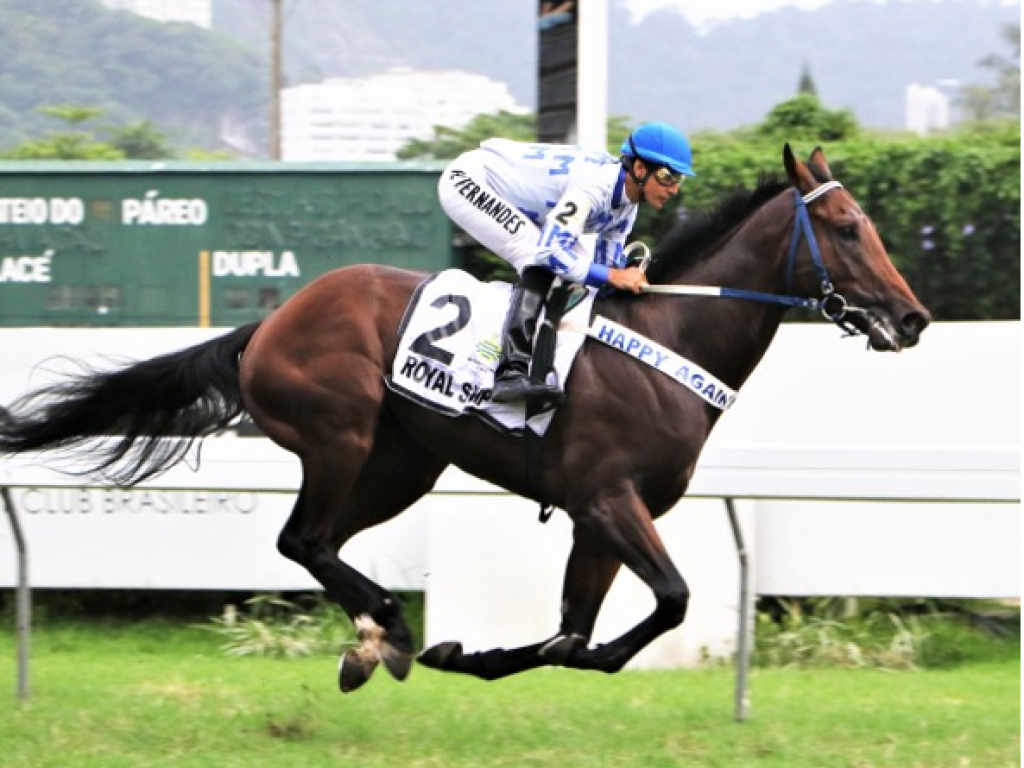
162, 694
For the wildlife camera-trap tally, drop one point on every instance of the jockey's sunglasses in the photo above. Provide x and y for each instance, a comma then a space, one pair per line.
666, 177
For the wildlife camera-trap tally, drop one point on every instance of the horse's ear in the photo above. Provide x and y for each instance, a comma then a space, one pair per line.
818, 159
799, 174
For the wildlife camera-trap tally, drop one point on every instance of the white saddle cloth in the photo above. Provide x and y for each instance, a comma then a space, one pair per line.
450, 344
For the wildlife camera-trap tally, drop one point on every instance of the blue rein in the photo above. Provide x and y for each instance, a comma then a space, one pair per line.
832, 305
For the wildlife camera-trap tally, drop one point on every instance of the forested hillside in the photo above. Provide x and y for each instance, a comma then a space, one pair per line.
187, 81
190, 82
861, 54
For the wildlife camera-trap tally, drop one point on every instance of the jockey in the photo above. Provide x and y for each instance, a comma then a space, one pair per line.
530, 203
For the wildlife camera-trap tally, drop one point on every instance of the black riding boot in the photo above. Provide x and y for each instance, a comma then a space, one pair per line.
512, 380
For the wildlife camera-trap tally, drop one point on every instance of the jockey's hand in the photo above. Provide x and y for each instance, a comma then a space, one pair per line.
628, 279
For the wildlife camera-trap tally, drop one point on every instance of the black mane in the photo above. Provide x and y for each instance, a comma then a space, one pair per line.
691, 238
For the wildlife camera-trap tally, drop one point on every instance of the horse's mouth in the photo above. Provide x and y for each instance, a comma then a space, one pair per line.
878, 327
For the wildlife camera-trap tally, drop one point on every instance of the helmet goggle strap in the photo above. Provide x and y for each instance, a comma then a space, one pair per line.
640, 181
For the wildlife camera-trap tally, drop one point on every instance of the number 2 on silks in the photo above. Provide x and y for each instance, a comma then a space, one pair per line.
565, 215
572, 214
424, 343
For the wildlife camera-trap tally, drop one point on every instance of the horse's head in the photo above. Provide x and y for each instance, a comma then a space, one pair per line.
848, 268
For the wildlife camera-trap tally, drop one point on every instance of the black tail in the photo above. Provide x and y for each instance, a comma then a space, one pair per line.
150, 412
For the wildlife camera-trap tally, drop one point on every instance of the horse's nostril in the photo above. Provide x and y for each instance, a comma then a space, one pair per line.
914, 322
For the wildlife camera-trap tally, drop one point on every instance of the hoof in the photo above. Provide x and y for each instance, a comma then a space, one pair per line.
440, 655
354, 669
398, 663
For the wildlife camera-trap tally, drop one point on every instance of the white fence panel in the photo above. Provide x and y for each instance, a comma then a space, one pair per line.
841, 431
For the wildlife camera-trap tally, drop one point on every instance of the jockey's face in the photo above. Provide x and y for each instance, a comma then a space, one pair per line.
660, 183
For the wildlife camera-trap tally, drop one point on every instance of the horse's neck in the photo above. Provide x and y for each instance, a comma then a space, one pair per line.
729, 336
753, 257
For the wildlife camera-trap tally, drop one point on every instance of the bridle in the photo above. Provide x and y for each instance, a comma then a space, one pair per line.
832, 305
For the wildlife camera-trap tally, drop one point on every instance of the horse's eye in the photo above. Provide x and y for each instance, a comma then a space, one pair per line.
848, 232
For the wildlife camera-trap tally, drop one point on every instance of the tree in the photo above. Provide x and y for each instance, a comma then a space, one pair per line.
448, 143
175, 74
136, 141
806, 84
1002, 99
68, 144
804, 117
141, 141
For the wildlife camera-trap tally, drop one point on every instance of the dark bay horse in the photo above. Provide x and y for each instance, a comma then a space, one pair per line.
618, 454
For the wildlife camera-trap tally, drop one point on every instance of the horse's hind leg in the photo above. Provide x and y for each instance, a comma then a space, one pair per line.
329, 512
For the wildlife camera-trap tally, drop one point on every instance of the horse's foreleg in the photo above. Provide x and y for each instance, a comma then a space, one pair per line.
588, 576
487, 665
616, 530
624, 525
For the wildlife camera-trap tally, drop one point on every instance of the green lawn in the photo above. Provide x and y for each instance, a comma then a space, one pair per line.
161, 694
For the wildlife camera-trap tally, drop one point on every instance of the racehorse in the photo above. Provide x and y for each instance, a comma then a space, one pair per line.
619, 453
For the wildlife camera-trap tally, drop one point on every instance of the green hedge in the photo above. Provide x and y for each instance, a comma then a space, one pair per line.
948, 209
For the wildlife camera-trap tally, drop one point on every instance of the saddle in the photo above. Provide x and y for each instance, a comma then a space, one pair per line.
450, 338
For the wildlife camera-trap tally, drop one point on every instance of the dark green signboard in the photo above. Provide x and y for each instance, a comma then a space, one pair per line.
85, 244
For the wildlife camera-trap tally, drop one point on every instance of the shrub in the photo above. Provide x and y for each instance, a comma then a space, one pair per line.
948, 209
885, 633
273, 626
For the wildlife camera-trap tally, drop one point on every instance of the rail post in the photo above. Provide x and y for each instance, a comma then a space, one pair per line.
742, 701
24, 598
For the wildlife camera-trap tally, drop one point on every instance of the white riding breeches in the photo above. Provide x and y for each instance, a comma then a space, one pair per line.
467, 195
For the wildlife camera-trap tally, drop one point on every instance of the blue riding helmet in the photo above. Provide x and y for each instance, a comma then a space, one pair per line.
660, 144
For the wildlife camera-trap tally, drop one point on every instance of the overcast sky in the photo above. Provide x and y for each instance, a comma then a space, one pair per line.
704, 13
701, 12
